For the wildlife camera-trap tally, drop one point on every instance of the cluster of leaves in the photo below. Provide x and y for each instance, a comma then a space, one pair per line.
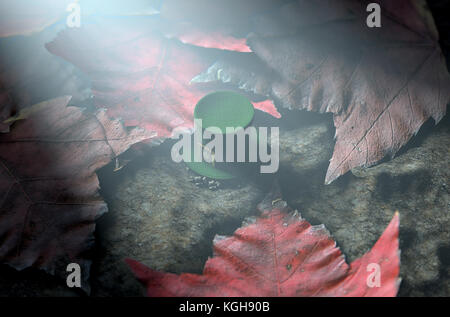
380, 84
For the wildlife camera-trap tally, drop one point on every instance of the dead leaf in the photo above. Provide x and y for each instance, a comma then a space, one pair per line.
381, 84
281, 254
213, 23
138, 74
48, 187
190, 34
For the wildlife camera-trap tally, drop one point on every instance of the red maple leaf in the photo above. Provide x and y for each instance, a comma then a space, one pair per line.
49, 197
381, 84
137, 73
213, 23
281, 254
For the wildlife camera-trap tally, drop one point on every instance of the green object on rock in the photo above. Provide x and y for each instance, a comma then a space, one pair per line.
221, 109
224, 109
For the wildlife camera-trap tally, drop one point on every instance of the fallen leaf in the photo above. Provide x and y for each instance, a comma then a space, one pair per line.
48, 187
381, 84
213, 23
26, 113
138, 74
189, 34
281, 254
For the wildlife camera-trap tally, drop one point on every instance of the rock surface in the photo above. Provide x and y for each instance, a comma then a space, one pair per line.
307, 148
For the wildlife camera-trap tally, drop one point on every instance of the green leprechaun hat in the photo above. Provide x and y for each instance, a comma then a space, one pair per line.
221, 109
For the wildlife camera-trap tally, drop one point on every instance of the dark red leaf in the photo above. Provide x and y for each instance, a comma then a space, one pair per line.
281, 254
189, 34
381, 84
48, 187
138, 74
213, 23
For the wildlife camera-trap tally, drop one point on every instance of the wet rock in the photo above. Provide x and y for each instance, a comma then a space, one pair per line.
159, 216
357, 207
305, 149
